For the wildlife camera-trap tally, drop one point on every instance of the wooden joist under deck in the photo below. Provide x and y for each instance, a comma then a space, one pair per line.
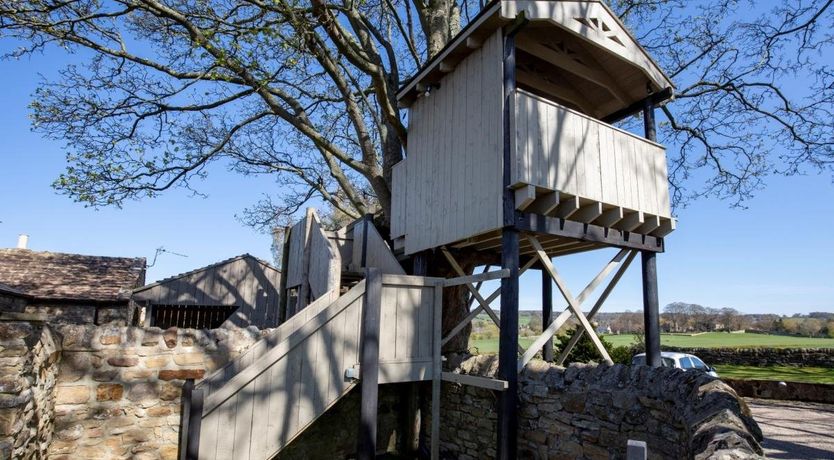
539, 200
561, 237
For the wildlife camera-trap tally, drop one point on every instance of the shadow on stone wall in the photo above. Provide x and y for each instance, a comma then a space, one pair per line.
589, 411
118, 388
28, 370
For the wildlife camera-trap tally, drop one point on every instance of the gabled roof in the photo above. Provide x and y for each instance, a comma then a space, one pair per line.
590, 22
202, 269
60, 276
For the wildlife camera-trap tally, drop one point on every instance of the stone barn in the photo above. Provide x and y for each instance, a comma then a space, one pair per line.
68, 288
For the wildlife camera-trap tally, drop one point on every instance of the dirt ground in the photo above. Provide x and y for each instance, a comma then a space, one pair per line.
795, 430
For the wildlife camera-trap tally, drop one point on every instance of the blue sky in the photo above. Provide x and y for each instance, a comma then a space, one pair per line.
774, 257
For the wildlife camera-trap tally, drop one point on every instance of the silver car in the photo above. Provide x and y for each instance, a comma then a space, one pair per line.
683, 361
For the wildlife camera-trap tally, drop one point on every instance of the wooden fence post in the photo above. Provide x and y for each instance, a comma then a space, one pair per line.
185, 415
191, 417
369, 365
547, 313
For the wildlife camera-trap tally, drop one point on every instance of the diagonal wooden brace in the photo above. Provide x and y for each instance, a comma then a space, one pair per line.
560, 320
573, 305
478, 287
474, 313
563, 355
457, 268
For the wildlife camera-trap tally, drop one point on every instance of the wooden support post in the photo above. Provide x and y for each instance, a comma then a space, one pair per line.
651, 307
191, 417
651, 314
283, 314
414, 436
185, 414
420, 264
547, 314
304, 289
508, 348
369, 365
437, 371
366, 221
648, 120
508, 340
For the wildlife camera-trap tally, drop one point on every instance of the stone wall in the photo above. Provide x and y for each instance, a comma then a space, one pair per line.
586, 411
114, 392
67, 312
786, 391
808, 357
118, 391
28, 368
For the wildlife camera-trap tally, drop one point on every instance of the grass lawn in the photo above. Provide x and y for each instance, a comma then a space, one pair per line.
780, 373
723, 339
487, 346
708, 340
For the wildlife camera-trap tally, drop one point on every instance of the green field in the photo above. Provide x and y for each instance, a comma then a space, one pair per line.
780, 373
723, 339
708, 340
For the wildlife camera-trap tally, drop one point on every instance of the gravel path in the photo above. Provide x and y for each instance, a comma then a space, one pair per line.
795, 430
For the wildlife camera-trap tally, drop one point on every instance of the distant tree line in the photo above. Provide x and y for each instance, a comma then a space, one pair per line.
682, 317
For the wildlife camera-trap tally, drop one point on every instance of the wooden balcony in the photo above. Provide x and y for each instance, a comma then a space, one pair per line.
569, 165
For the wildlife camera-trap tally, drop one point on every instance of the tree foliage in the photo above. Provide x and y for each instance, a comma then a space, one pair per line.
304, 91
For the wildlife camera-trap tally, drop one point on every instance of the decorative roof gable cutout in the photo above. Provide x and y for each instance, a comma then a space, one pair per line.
601, 27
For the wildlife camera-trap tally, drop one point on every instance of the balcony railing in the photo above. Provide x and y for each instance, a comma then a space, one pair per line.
562, 150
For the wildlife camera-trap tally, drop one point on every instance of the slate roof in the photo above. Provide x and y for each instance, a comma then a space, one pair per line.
59, 276
8, 290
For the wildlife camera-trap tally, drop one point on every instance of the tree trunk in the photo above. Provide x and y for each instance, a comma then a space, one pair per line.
456, 298
440, 20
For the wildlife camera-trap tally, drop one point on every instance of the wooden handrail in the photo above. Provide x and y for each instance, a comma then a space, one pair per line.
263, 362
589, 118
284, 330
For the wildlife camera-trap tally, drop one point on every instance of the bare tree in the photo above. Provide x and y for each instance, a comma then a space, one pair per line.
755, 89
166, 90
305, 92
676, 314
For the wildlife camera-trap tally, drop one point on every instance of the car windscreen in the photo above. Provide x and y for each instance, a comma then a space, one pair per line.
698, 364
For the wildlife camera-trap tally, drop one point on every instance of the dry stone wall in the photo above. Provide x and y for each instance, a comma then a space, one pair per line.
118, 390
591, 412
83, 391
28, 368
785, 391
810, 357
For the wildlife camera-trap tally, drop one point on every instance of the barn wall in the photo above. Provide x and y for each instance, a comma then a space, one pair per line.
245, 282
450, 185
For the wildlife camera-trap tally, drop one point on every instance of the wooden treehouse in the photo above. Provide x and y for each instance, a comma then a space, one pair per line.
511, 155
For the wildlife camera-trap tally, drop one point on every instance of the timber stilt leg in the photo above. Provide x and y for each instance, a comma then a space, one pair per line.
651, 314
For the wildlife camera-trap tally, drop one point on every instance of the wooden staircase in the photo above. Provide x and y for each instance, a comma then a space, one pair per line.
257, 404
